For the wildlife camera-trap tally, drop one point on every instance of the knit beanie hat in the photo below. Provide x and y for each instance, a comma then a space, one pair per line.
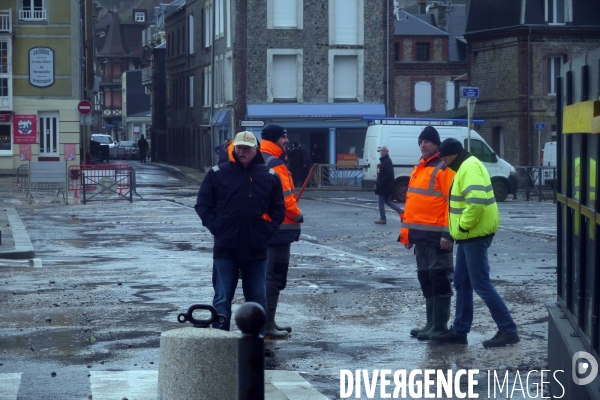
272, 133
431, 134
450, 147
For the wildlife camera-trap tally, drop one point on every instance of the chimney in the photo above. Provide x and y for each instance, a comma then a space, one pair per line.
438, 10
422, 7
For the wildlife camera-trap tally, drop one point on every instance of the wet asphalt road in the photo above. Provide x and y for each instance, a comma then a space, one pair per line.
110, 276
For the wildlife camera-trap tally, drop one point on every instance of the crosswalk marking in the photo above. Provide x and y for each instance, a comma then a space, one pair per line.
143, 385
133, 385
9, 386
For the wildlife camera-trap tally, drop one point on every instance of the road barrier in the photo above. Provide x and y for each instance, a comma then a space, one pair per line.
537, 181
43, 176
102, 182
339, 177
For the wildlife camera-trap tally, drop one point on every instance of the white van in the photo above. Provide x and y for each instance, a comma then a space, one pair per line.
549, 160
401, 140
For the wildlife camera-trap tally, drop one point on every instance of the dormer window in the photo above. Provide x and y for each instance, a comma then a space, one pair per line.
139, 16
555, 11
33, 10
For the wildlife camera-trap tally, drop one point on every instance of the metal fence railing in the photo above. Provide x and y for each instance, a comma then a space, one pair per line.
334, 176
537, 182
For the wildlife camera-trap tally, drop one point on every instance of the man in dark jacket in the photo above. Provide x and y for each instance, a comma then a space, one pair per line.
222, 151
241, 203
143, 148
385, 185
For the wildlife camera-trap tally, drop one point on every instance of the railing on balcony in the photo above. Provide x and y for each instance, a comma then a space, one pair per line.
6, 20
32, 15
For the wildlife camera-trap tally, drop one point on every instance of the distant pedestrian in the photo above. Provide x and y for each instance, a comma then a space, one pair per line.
241, 204
299, 164
473, 221
385, 185
222, 151
316, 154
425, 226
143, 148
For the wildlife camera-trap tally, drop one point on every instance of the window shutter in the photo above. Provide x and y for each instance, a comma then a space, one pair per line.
345, 77
285, 13
346, 21
423, 96
284, 77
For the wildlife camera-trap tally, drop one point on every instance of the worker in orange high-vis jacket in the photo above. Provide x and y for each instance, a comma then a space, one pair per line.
274, 140
425, 226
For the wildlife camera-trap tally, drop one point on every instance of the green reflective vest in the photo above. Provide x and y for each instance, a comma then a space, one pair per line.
473, 208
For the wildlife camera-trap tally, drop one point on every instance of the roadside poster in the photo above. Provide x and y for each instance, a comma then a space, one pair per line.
25, 152
347, 159
25, 129
69, 152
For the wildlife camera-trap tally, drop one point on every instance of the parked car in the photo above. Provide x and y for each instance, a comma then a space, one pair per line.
127, 149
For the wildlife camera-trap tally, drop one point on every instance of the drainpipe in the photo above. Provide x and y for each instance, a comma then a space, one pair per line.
212, 77
528, 99
387, 79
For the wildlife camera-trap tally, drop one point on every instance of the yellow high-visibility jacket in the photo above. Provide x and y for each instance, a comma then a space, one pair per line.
473, 208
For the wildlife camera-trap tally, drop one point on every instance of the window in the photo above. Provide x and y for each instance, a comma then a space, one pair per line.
207, 86
33, 10
4, 57
422, 52
191, 33
3, 87
555, 11
140, 16
208, 24
5, 138
219, 81
423, 96
228, 78
219, 19
346, 81
285, 14
396, 51
346, 22
481, 151
191, 91
554, 64
284, 75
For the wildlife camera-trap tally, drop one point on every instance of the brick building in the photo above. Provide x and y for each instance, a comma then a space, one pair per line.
314, 67
429, 59
515, 51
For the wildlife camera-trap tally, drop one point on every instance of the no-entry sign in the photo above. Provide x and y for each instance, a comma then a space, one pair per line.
84, 107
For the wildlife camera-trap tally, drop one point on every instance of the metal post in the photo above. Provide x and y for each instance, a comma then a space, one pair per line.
470, 109
251, 318
83, 185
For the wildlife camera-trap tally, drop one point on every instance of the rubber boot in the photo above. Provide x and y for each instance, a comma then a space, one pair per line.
429, 323
288, 329
270, 330
441, 316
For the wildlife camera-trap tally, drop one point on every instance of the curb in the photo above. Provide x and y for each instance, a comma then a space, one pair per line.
23, 247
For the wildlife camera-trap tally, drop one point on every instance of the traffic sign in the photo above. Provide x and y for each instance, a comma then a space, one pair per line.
84, 107
470, 92
540, 125
257, 124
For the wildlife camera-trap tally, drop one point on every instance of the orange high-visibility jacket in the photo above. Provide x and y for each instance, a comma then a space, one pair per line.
425, 215
289, 230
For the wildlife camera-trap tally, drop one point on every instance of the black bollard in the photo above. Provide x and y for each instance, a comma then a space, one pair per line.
251, 318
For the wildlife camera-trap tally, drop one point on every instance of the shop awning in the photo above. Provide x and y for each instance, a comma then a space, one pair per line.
220, 118
328, 110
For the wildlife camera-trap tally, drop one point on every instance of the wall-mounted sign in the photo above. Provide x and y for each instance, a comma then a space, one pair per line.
25, 152
41, 66
25, 128
70, 152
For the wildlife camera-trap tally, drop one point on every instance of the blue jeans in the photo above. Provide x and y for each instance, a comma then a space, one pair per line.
387, 199
472, 272
225, 278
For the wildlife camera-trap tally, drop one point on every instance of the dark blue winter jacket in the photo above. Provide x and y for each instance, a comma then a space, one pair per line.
242, 208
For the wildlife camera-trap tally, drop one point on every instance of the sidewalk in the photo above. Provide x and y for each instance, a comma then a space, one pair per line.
15, 240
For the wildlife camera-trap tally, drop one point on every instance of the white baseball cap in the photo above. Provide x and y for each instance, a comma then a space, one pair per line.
245, 139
